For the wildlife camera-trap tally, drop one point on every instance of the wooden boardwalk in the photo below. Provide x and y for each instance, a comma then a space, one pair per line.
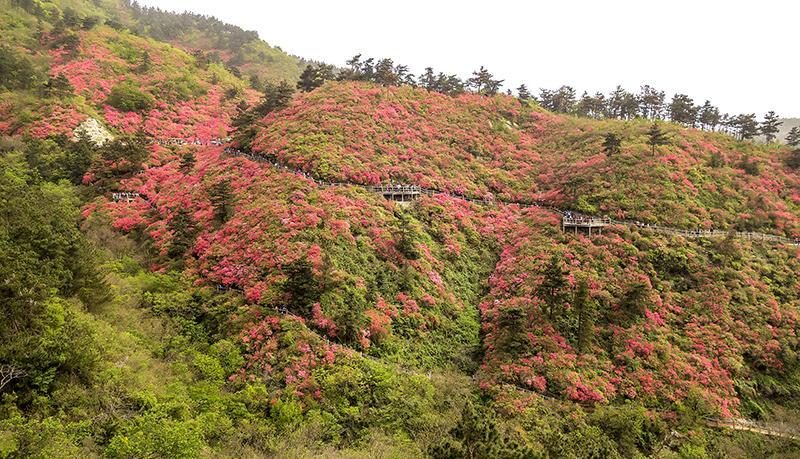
584, 223
572, 221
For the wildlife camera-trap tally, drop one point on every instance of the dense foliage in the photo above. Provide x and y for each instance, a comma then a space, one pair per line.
232, 308
495, 147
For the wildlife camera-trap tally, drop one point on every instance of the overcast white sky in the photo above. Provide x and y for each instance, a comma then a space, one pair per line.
742, 55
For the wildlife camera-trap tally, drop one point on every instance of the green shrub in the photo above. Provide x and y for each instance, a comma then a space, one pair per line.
16, 71
129, 98
153, 435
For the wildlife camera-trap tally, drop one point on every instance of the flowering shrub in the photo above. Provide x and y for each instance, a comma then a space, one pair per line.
495, 146
329, 255
697, 325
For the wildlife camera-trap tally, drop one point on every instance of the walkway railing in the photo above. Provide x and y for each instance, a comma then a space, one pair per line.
586, 221
570, 218
127, 196
775, 429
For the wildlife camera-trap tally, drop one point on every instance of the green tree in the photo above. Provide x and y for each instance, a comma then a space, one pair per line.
315, 76
483, 82
183, 229
633, 303
622, 104
145, 64
16, 71
708, 116
745, 126
511, 330
612, 144
79, 157
682, 110
793, 159
276, 97
44, 258
651, 102
561, 100
477, 436
45, 157
793, 138
770, 126
58, 86
656, 137
406, 236
592, 106
303, 288
119, 159
127, 97
522, 93
221, 196
553, 289
428, 79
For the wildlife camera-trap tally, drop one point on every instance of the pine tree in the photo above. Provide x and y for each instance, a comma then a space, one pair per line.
612, 144
79, 157
651, 102
221, 197
511, 335
793, 160
483, 82
682, 110
564, 100
58, 86
522, 93
276, 97
745, 126
656, 137
552, 290
622, 104
144, 65
633, 304
592, 106
770, 126
793, 138
428, 79
477, 436
255, 82
385, 73
708, 116
314, 77
182, 227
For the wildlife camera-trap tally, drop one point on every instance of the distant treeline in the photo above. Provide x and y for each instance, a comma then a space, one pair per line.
167, 26
648, 103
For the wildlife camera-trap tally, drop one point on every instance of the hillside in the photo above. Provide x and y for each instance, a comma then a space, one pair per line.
237, 306
498, 147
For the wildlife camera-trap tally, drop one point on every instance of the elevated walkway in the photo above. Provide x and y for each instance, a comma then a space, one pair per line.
585, 224
124, 196
398, 193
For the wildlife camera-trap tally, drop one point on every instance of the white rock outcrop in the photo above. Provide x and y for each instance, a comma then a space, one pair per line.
97, 133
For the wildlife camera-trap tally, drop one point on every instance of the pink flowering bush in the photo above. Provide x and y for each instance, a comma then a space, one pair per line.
332, 256
697, 325
499, 148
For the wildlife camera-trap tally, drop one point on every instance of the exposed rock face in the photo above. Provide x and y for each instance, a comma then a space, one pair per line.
93, 129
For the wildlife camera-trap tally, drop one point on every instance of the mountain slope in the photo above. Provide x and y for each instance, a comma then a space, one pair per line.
237, 308
497, 147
